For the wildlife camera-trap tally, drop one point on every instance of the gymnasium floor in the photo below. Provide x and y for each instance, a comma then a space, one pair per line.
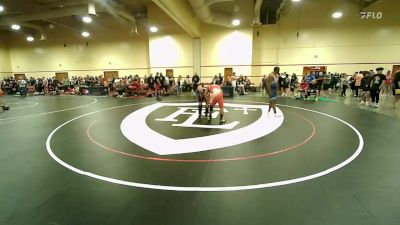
102, 160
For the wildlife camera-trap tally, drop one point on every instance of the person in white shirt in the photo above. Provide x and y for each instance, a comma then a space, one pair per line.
2, 104
22, 87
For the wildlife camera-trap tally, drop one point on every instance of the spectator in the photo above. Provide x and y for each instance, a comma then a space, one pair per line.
376, 86
285, 85
357, 83
263, 85
240, 85
345, 85
179, 84
22, 87
387, 85
326, 83
293, 83
221, 79
195, 82
365, 89
396, 88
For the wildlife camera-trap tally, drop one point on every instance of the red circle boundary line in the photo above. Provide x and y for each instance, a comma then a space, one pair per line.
205, 160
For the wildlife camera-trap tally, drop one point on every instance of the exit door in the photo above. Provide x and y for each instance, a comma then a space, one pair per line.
169, 72
19, 76
228, 72
109, 75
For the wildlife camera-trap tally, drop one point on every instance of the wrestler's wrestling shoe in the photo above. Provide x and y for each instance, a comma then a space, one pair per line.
5, 108
222, 121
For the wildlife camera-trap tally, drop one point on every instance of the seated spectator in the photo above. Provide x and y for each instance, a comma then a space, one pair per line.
247, 84
240, 85
304, 88
120, 89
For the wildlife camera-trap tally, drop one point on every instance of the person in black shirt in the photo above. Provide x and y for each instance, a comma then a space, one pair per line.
285, 85
40, 86
376, 83
162, 83
195, 81
366, 88
396, 89
221, 79
151, 85
293, 82
157, 81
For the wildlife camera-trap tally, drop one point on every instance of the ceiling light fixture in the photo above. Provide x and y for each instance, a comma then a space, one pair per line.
296, 0
15, 27
1, 8
30, 38
87, 19
337, 15
85, 34
153, 29
236, 22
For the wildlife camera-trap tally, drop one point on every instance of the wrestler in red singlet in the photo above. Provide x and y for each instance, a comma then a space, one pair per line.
211, 95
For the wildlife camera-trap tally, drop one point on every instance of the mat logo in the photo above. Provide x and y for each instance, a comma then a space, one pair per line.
193, 112
135, 129
371, 15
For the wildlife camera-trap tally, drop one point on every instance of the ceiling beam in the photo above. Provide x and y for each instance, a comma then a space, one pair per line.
51, 14
366, 3
182, 14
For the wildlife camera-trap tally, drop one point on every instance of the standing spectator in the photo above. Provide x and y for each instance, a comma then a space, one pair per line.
285, 85
166, 84
215, 80
335, 80
220, 79
365, 89
187, 84
319, 77
345, 85
396, 88
326, 83
234, 82
281, 77
40, 86
22, 87
151, 85
376, 86
157, 83
357, 83
195, 82
2, 104
352, 85
293, 82
179, 85
387, 85
263, 87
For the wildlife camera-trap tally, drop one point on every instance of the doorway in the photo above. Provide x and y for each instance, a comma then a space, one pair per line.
169, 72
109, 75
61, 76
228, 72
19, 76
